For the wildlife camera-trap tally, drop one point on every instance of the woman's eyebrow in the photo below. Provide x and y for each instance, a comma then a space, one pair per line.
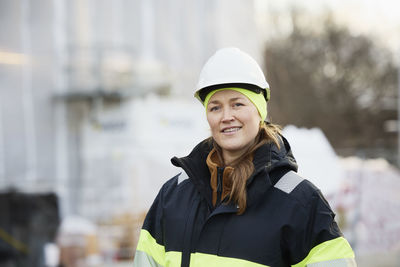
213, 102
231, 100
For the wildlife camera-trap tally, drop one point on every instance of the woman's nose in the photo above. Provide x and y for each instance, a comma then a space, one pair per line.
227, 115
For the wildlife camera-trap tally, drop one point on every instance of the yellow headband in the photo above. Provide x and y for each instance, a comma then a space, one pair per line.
257, 99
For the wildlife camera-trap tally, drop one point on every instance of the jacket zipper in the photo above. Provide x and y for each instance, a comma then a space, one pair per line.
220, 172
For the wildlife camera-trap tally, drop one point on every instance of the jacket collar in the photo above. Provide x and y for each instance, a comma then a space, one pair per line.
196, 168
268, 159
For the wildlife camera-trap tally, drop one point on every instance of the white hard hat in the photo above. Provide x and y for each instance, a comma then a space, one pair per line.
230, 67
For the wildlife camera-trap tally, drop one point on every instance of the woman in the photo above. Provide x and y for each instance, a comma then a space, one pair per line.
238, 200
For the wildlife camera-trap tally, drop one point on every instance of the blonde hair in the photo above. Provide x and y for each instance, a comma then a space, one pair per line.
243, 167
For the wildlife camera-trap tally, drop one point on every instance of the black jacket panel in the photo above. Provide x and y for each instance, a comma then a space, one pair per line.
277, 229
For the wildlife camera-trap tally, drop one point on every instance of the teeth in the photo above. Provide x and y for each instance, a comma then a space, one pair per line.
231, 130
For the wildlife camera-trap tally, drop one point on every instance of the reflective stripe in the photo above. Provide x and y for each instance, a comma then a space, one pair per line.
289, 181
182, 177
173, 258
142, 259
149, 245
334, 249
335, 263
209, 260
150, 253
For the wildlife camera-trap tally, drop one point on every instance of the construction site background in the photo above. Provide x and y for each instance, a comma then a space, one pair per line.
95, 98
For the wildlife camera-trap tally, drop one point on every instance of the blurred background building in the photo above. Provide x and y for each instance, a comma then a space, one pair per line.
96, 97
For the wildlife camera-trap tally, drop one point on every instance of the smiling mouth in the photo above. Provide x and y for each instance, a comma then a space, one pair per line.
231, 130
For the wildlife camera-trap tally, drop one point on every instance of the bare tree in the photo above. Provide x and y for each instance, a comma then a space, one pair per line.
337, 81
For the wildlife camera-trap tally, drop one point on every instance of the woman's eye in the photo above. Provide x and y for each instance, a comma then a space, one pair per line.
214, 108
238, 104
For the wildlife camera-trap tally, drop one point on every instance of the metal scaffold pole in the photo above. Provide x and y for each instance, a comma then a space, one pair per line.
398, 109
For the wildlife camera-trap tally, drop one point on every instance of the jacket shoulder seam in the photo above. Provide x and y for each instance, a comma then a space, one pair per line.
296, 187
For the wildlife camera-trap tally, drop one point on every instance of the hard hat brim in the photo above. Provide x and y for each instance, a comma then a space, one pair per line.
202, 93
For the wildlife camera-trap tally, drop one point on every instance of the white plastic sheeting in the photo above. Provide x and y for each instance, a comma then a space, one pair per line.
316, 158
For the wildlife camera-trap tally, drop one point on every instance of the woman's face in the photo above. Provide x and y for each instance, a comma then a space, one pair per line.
234, 122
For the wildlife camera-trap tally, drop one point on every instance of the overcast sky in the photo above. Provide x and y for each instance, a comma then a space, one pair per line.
379, 18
